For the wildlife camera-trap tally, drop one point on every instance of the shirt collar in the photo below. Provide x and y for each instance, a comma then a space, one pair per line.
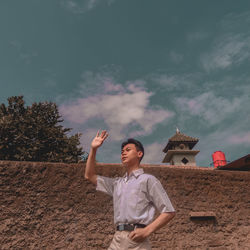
135, 173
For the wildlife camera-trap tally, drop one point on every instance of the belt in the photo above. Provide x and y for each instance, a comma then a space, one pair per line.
129, 227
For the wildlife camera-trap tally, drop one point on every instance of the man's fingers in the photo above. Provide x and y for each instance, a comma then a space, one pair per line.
131, 234
106, 135
136, 235
103, 134
97, 133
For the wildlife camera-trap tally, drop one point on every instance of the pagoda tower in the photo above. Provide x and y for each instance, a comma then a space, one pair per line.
179, 150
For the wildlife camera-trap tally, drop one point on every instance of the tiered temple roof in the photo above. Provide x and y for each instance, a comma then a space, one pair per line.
180, 138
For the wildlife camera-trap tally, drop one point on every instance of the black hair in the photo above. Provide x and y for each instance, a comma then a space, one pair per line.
138, 145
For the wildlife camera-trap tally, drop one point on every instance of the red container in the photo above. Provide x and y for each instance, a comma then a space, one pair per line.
219, 159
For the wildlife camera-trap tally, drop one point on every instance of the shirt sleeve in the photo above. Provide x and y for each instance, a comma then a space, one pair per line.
159, 197
105, 184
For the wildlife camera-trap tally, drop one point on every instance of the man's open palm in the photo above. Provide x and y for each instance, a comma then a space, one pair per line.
99, 139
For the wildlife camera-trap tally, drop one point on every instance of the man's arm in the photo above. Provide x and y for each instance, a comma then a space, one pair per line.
141, 234
161, 201
90, 165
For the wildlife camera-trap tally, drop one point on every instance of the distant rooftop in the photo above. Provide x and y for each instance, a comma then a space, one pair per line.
180, 137
242, 164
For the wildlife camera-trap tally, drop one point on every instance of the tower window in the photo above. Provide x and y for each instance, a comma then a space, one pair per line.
184, 160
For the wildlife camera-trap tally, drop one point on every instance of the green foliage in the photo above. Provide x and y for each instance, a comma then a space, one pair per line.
34, 133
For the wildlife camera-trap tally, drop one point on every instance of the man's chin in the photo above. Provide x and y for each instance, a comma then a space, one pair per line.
124, 163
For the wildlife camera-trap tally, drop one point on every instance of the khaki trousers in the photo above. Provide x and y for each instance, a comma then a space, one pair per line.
121, 241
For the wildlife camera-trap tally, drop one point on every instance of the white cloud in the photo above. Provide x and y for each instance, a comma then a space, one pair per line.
240, 138
172, 81
166, 80
153, 153
87, 137
213, 109
109, 86
137, 85
219, 117
235, 22
227, 139
228, 50
232, 46
118, 107
79, 7
82, 6
103, 82
211, 142
176, 57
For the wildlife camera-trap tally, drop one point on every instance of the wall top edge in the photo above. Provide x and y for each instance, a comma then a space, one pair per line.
100, 164
158, 166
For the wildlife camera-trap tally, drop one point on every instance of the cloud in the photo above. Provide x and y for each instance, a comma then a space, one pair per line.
109, 86
82, 6
102, 82
173, 81
79, 7
197, 36
23, 54
219, 117
153, 153
229, 50
176, 57
87, 137
227, 139
17, 44
211, 108
240, 138
123, 109
231, 47
213, 141
235, 22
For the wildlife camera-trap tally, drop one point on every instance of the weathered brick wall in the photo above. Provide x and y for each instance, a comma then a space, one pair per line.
51, 206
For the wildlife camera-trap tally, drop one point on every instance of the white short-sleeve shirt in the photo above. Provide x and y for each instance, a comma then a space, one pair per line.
135, 197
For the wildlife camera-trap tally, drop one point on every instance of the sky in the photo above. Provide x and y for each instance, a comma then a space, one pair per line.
137, 68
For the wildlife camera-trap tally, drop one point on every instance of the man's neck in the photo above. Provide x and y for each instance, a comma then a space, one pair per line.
130, 169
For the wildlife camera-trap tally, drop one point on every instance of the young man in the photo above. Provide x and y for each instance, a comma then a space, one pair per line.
136, 197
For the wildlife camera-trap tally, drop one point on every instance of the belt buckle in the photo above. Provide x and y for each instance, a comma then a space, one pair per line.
131, 227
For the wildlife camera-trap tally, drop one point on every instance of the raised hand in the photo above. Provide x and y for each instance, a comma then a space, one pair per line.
99, 139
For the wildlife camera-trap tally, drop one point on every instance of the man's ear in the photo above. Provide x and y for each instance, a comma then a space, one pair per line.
140, 154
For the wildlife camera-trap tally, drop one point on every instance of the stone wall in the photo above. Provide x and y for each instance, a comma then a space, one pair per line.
51, 206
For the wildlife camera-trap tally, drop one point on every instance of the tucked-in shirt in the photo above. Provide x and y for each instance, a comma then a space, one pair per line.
135, 197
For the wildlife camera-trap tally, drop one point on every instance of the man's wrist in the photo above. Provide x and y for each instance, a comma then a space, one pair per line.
93, 149
148, 230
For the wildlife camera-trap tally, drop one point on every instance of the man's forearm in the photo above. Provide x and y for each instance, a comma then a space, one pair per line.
90, 167
159, 222
140, 234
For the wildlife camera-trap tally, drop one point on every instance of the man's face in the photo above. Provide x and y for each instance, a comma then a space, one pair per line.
130, 155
